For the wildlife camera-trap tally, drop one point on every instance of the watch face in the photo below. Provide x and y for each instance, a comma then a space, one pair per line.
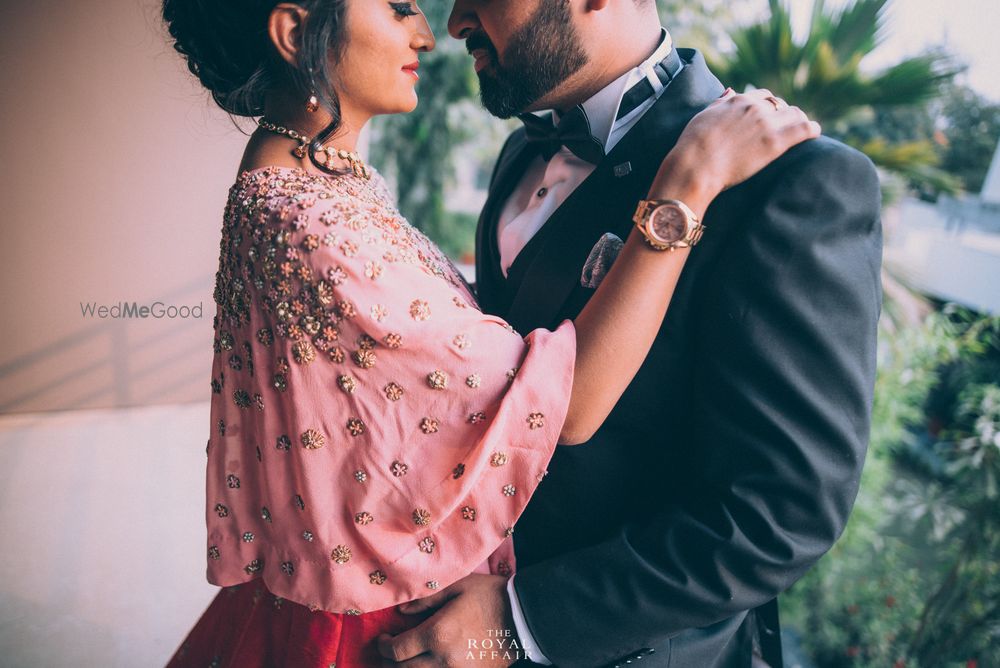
668, 223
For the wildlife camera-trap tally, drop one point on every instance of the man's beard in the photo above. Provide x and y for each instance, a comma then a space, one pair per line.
539, 57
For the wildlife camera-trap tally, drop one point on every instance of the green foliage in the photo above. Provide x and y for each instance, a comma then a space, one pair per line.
972, 128
703, 25
457, 233
960, 127
823, 75
914, 579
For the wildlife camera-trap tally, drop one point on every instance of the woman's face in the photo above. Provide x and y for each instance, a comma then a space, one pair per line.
378, 70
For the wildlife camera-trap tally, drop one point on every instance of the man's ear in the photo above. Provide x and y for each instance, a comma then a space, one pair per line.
284, 27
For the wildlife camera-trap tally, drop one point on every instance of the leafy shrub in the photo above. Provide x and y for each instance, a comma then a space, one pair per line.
915, 579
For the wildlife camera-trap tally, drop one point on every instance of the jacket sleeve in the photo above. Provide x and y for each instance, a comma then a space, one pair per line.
782, 400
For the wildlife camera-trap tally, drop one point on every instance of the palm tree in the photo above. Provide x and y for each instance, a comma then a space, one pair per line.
822, 74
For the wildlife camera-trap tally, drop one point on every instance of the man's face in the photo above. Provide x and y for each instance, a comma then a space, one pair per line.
523, 49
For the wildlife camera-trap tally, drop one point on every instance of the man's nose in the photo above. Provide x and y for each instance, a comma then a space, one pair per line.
463, 19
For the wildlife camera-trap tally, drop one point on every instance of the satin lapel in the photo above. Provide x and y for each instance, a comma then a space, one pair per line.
551, 263
511, 164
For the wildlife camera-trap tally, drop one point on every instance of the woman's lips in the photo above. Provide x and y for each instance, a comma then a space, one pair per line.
412, 69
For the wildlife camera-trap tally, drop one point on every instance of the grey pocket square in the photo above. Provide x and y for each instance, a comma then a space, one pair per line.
599, 262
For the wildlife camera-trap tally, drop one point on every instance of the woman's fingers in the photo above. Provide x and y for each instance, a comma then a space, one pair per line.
801, 131
784, 117
765, 100
764, 95
760, 98
733, 140
772, 131
791, 126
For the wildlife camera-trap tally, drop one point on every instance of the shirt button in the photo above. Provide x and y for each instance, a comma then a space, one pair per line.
542, 192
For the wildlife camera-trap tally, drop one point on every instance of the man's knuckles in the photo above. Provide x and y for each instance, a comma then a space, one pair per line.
437, 637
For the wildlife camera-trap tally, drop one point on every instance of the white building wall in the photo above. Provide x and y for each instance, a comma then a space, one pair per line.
991, 186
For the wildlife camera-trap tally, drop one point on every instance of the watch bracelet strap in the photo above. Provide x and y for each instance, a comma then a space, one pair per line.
696, 235
695, 238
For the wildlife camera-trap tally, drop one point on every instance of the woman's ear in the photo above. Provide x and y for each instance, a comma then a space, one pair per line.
284, 27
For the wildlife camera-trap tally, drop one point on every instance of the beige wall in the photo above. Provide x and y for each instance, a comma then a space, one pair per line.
115, 174
102, 555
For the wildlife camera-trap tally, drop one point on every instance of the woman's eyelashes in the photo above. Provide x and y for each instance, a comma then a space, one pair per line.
403, 8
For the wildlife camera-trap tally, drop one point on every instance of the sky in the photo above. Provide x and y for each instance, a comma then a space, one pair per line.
969, 28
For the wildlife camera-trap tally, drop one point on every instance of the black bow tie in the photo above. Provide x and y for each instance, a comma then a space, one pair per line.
573, 130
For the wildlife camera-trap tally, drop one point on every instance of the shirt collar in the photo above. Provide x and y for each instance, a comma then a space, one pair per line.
602, 107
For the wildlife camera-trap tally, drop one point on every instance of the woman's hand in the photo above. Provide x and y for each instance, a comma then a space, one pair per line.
728, 142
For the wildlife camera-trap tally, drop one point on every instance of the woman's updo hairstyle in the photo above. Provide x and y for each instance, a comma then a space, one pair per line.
226, 45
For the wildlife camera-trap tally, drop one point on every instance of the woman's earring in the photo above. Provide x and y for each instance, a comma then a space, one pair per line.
313, 104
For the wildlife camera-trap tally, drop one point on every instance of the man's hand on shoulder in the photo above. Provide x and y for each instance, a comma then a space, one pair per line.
471, 625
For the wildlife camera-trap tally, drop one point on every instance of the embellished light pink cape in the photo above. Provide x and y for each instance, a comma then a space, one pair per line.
374, 435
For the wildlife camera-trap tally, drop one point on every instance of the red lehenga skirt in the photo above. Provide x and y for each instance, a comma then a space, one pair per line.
246, 626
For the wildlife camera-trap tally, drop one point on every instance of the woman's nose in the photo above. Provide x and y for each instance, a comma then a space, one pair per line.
423, 38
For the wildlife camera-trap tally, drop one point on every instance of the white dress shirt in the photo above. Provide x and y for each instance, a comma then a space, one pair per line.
546, 185
543, 189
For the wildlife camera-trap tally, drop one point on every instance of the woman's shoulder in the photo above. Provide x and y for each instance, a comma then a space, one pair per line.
284, 193
325, 220
270, 198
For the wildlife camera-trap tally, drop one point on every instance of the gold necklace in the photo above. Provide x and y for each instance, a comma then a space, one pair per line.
328, 154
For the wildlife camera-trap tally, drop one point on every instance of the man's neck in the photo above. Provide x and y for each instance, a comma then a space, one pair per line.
605, 66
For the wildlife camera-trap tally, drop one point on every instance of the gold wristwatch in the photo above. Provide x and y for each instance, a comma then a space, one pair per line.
668, 224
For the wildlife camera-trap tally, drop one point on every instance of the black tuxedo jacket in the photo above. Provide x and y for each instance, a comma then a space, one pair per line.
730, 464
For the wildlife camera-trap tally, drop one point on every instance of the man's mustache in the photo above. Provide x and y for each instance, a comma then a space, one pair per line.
479, 40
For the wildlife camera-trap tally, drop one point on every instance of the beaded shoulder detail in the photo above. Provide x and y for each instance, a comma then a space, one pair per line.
262, 241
